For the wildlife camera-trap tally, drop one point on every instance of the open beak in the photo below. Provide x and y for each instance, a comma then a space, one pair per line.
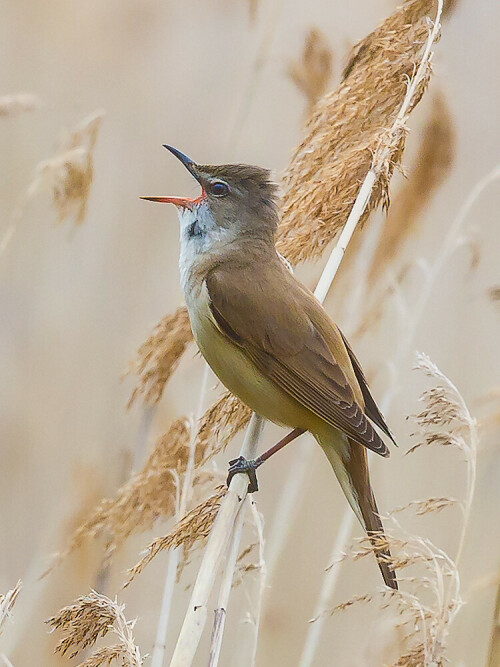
184, 202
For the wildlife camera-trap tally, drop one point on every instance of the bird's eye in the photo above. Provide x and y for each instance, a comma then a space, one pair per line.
219, 189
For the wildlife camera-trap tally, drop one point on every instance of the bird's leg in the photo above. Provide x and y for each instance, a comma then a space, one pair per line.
241, 464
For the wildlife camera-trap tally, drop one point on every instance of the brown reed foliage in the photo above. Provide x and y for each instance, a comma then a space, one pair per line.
494, 293
68, 176
90, 617
449, 7
218, 426
421, 507
152, 492
432, 166
312, 72
146, 496
195, 526
12, 105
347, 125
159, 355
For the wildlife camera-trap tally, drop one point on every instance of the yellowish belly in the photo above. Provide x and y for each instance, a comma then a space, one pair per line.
241, 376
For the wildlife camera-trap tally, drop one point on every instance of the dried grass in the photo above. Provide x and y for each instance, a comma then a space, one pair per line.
159, 355
12, 105
494, 294
68, 176
218, 426
428, 609
444, 419
7, 602
90, 617
195, 526
421, 507
153, 492
347, 126
425, 623
313, 71
432, 166
449, 7
148, 495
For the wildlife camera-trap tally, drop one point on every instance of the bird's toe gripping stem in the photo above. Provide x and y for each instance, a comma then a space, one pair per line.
249, 467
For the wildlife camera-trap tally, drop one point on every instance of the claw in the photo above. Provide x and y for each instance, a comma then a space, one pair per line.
241, 464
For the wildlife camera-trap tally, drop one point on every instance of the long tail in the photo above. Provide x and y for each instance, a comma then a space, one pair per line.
349, 462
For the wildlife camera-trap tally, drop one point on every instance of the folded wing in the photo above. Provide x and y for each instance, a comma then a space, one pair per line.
280, 338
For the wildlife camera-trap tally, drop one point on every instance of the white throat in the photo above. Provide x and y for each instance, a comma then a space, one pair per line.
200, 238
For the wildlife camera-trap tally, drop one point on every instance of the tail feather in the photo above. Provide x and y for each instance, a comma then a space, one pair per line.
350, 464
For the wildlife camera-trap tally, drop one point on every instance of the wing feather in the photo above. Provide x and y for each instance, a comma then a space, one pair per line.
282, 341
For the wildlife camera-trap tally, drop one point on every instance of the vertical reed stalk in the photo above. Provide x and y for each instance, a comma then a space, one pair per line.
224, 592
218, 540
173, 561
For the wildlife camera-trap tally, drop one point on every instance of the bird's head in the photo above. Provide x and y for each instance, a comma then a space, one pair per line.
237, 202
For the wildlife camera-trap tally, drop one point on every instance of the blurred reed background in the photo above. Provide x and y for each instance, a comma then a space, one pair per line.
88, 270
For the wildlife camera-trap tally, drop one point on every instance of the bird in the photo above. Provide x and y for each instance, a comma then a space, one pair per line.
268, 339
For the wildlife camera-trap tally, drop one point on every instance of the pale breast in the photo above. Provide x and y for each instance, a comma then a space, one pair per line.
237, 372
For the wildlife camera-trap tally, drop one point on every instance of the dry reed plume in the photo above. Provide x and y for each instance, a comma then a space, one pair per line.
426, 620
90, 617
347, 126
152, 493
195, 526
313, 71
7, 602
149, 494
432, 166
12, 105
68, 176
159, 355
218, 426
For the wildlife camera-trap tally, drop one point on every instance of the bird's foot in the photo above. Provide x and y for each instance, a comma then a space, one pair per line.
241, 464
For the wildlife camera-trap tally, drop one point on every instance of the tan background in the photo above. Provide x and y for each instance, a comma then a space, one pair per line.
75, 304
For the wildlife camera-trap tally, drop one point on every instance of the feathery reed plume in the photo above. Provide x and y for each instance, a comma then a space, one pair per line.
347, 126
7, 601
90, 617
444, 420
427, 621
148, 495
421, 507
159, 355
218, 426
431, 168
12, 105
494, 293
449, 6
68, 176
196, 525
312, 72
